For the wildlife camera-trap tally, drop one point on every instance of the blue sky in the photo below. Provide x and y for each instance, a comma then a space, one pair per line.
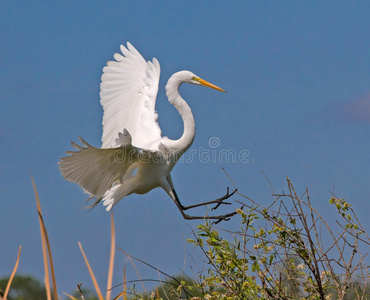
298, 103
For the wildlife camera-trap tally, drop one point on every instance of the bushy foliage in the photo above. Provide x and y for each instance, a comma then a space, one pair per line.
284, 251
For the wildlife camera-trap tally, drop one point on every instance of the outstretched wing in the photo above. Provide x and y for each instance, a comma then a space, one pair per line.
128, 92
95, 169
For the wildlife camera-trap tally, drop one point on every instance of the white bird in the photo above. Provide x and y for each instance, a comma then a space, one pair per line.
134, 157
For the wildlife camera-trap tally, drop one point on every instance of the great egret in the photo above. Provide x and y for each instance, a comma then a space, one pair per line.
134, 157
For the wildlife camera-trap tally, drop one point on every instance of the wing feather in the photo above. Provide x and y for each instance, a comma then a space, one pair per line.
95, 169
128, 93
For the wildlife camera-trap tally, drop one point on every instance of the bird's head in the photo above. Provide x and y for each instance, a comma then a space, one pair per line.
189, 77
199, 81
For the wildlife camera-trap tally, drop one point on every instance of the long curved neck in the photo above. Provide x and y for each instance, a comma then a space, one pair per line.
172, 92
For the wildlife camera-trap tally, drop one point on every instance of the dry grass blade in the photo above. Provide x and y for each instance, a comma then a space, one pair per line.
91, 274
70, 297
45, 244
12, 276
124, 293
163, 289
44, 253
157, 291
137, 271
47, 282
116, 298
111, 259
124, 284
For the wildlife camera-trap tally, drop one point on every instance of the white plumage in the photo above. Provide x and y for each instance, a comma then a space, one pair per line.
128, 92
134, 157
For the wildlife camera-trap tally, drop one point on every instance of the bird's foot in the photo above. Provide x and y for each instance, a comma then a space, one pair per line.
221, 200
226, 217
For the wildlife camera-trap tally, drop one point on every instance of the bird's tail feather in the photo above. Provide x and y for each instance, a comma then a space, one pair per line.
117, 192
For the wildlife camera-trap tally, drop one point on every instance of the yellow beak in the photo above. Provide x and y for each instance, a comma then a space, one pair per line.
207, 84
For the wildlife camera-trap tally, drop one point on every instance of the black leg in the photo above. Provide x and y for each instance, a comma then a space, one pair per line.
219, 218
218, 201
